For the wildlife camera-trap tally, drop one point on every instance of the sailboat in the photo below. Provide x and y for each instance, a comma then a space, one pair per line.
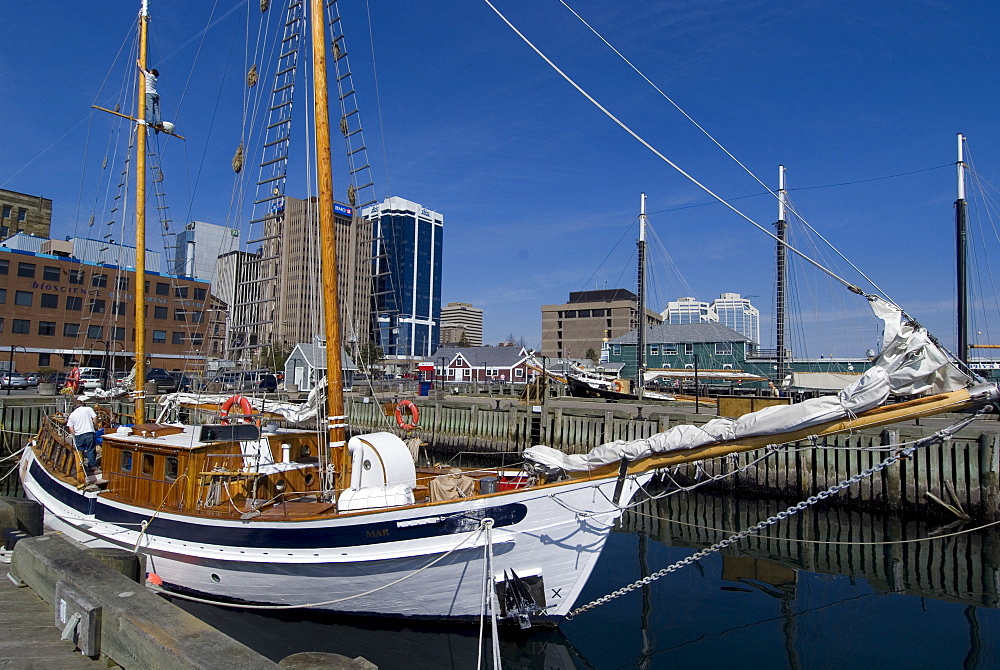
228, 511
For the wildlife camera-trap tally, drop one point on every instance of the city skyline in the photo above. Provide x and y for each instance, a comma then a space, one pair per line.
540, 187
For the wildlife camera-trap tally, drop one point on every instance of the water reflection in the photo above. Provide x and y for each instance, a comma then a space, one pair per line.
828, 588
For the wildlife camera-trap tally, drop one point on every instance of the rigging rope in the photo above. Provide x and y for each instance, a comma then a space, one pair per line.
830, 273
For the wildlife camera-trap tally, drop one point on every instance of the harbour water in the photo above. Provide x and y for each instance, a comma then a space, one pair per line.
826, 589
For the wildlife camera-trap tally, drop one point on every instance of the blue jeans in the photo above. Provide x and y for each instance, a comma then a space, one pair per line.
153, 109
87, 443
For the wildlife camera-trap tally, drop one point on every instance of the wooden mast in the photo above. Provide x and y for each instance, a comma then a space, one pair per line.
328, 244
140, 227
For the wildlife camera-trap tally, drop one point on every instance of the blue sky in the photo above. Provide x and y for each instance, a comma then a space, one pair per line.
539, 189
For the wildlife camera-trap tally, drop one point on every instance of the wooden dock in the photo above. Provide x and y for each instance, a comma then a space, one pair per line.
29, 638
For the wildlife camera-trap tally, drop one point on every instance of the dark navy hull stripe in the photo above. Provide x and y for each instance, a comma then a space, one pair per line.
298, 535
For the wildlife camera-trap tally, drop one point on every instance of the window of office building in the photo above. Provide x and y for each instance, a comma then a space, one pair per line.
200, 293
723, 348
95, 332
22, 214
180, 291
97, 306
4, 267
162, 289
50, 301
118, 308
44, 360
159, 312
51, 273
76, 276
177, 338
180, 315
21, 326
23, 298
121, 283
74, 303
99, 280
159, 336
3, 295
71, 329
118, 334
47, 328
26, 270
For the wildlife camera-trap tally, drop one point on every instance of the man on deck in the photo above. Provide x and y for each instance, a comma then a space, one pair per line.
80, 425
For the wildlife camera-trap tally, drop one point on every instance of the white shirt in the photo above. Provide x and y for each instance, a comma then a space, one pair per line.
150, 82
81, 420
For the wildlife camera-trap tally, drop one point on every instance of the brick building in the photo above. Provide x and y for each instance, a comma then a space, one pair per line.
23, 213
58, 312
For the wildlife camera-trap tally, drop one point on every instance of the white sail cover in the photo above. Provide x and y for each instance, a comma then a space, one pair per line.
910, 364
291, 412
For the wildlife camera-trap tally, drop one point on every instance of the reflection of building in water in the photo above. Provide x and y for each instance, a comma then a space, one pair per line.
892, 554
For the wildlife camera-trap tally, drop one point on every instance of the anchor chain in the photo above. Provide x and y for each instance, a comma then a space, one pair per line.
770, 521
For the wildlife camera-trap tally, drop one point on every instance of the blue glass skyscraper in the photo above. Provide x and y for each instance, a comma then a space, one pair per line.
406, 272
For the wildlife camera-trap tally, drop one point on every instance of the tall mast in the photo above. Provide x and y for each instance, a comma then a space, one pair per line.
327, 236
961, 243
782, 278
140, 227
640, 358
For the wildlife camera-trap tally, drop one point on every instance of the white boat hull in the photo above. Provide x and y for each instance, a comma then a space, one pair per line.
421, 561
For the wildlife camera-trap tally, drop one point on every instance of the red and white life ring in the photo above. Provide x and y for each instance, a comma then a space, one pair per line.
619, 386
408, 406
245, 407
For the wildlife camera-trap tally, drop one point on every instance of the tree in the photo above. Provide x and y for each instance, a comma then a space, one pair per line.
273, 356
370, 354
592, 355
464, 342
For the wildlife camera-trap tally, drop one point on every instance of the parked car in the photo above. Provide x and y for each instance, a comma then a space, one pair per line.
165, 382
90, 381
184, 383
14, 381
32, 378
268, 384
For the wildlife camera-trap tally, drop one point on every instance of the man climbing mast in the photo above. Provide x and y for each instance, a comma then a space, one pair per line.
152, 98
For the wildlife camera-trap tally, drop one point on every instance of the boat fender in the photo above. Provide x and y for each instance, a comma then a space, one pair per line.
407, 406
244, 407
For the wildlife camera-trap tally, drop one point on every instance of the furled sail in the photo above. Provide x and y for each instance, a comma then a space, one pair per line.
910, 364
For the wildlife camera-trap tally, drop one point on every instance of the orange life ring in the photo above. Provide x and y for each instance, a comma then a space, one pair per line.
414, 414
619, 386
244, 407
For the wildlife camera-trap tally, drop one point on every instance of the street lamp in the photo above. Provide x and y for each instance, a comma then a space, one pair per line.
10, 369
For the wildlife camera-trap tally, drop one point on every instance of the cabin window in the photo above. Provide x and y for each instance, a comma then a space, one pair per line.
126, 461
170, 471
147, 465
723, 348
